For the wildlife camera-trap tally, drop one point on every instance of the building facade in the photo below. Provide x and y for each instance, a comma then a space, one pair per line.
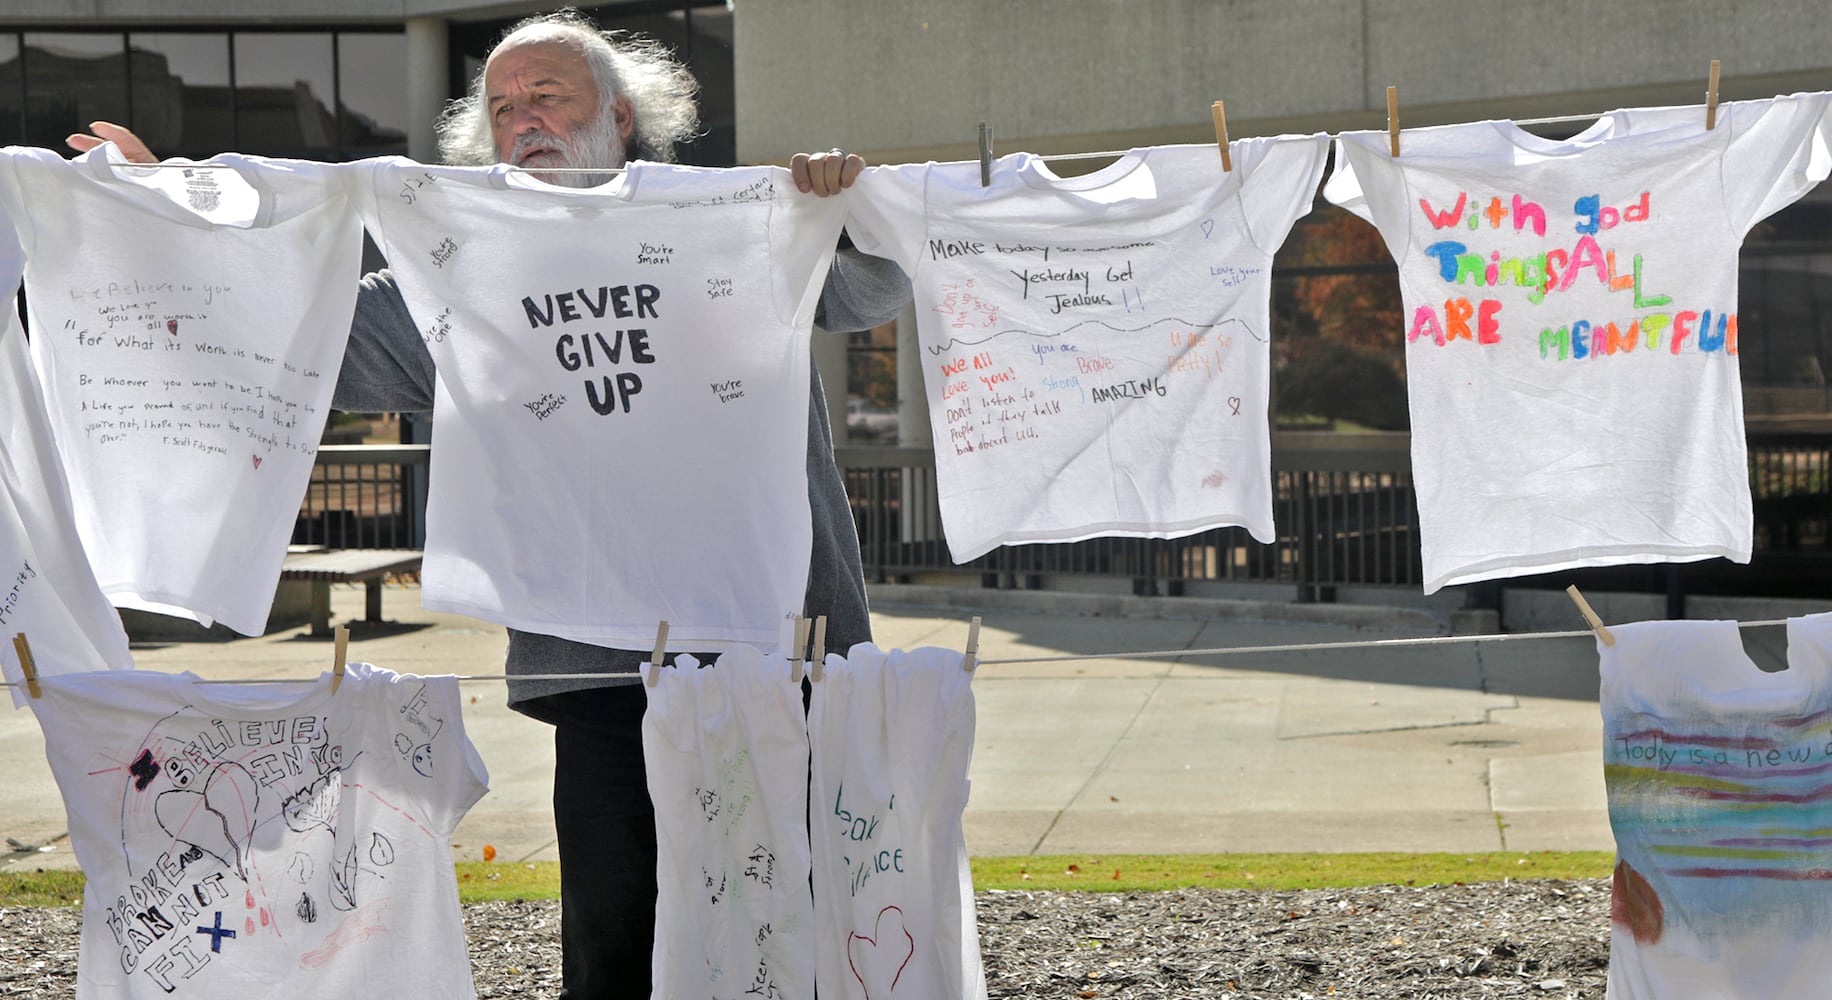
901, 80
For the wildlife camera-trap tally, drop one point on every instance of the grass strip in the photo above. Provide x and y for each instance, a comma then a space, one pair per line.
480, 881
1161, 872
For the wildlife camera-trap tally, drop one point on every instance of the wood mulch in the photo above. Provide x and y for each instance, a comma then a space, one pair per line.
1544, 939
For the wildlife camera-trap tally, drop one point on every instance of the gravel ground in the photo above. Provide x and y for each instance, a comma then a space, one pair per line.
1547, 939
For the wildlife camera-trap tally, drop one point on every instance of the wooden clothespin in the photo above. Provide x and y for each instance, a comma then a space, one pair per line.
27, 665
971, 658
985, 155
801, 644
655, 659
1221, 134
1711, 97
340, 645
1393, 121
1596, 624
820, 645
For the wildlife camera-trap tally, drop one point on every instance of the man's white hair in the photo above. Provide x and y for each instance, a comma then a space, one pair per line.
659, 88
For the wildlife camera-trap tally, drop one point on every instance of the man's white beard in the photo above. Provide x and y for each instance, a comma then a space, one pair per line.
595, 146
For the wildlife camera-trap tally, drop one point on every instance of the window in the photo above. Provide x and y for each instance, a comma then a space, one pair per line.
12, 91
709, 53
871, 386
1338, 345
371, 94
285, 90
71, 80
324, 95
182, 103
1784, 313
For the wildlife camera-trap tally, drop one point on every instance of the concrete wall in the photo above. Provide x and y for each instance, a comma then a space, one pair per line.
909, 79
274, 13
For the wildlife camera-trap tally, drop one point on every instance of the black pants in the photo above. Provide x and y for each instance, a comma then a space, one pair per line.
606, 827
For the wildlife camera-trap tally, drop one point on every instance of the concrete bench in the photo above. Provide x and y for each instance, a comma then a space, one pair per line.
323, 567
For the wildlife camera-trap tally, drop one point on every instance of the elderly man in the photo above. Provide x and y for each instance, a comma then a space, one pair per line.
557, 92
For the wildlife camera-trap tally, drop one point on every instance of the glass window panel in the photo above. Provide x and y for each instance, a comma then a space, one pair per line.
1784, 336
284, 94
1784, 313
12, 105
709, 52
71, 80
181, 94
470, 42
372, 84
1338, 353
473, 65
670, 29
871, 386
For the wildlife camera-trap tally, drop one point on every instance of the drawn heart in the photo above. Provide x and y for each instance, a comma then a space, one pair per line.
171, 327
876, 966
219, 820
1208, 227
257, 461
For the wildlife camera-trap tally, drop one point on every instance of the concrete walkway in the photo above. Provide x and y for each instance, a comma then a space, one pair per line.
1464, 747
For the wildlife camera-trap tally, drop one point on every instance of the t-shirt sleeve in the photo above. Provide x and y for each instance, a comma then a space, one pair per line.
431, 755
1777, 152
888, 212
386, 365
13, 214
804, 231
1369, 184
13, 232
1280, 185
361, 178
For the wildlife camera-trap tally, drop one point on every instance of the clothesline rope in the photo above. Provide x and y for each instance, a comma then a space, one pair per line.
1305, 647
1301, 647
1051, 158
1115, 153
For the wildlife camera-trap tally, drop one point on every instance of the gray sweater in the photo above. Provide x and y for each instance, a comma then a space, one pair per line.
386, 368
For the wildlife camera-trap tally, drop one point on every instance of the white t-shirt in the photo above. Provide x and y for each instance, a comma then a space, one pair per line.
622, 396
47, 590
260, 842
1716, 773
1571, 327
187, 326
891, 736
1096, 348
726, 751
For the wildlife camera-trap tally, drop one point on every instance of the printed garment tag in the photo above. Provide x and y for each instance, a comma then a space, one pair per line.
219, 195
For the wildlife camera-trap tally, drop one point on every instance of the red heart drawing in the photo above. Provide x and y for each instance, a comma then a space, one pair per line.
171, 327
257, 461
877, 960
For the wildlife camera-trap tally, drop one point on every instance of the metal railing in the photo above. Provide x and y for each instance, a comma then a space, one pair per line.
1345, 516
1790, 476
365, 497
1343, 509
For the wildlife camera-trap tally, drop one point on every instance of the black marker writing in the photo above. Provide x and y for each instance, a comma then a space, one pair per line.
612, 298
